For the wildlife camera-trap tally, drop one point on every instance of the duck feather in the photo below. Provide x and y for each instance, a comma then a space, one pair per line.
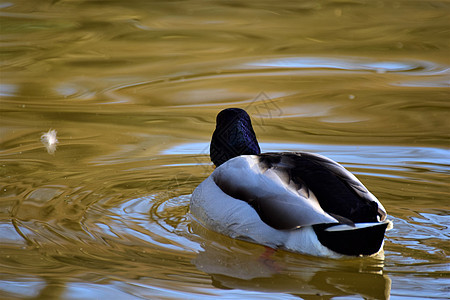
281, 189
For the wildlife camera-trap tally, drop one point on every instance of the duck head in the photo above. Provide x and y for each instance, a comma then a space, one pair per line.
234, 136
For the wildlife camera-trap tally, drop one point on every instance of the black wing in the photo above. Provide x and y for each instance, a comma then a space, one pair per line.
337, 190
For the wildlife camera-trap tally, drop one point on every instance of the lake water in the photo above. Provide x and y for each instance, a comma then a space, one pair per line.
132, 89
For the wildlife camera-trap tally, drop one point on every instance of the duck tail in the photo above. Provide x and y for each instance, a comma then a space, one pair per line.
360, 239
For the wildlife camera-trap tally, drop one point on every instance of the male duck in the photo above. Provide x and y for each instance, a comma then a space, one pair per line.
301, 202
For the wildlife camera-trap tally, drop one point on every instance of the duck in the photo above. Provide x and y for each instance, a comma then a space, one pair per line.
297, 201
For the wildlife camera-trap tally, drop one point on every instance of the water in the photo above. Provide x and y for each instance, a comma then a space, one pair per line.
132, 89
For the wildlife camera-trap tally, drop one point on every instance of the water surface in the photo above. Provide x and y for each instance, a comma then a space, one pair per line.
132, 89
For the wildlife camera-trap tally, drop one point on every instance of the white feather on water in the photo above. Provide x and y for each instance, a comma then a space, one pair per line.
49, 140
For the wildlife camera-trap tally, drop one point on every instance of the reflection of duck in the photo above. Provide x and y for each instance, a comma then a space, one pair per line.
235, 264
298, 201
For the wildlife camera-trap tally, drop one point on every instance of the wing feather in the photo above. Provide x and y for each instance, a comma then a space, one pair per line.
349, 179
278, 200
290, 190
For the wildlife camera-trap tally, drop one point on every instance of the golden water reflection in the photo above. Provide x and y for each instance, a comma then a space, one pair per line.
132, 90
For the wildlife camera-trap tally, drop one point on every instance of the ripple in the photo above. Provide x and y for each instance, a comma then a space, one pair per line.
352, 154
443, 83
419, 234
240, 81
347, 64
8, 90
168, 229
74, 90
130, 87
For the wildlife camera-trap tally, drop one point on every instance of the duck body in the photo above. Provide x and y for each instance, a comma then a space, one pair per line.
301, 202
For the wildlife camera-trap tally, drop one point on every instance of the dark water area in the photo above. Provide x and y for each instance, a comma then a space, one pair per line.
100, 206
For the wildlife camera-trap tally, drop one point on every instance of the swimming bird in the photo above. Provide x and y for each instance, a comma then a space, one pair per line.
297, 201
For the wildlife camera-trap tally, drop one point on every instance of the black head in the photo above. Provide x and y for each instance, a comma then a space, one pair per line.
233, 136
